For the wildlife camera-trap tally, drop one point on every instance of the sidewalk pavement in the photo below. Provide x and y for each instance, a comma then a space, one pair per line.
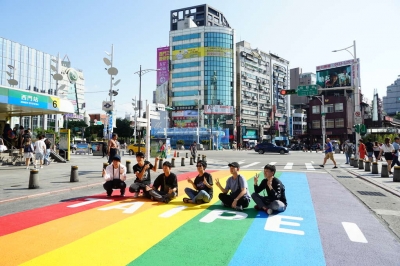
55, 178
385, 183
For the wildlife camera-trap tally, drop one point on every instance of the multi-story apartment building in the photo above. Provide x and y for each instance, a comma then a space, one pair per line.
391, 102
31, 71
202, 68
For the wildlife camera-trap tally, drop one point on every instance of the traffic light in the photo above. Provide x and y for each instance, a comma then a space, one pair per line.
357, 128
363, 129
286, 92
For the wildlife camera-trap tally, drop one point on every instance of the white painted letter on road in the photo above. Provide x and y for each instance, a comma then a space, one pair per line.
127, 207
88, 201
273, 224
217, 214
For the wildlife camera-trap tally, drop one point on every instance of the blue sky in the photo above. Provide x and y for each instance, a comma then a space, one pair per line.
303, 32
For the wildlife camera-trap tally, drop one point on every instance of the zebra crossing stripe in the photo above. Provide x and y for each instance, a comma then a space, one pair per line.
288, 166
272, 163
247, 166
309, 166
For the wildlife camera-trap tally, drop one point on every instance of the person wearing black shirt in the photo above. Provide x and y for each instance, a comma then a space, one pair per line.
370, 150
203, 186
165, 187
275, 201
193, 150
142, 172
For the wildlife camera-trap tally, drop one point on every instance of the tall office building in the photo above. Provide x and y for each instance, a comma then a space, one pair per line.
391, 102
202, 68
27, 69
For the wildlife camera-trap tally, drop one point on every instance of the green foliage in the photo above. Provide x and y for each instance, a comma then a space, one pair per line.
379, 137
123, 128
180, 142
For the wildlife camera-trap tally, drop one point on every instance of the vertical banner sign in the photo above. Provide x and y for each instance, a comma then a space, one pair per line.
162, 75
110, 123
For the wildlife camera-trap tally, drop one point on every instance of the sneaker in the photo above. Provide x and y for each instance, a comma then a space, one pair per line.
257, 208
166, 200
268, 211
122, 194
27, 167
41, 167
335, 167
239, 208
136, 194
321, 165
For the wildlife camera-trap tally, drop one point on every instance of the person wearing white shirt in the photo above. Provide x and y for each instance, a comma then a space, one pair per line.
396, 147
40, 149
387, 149
115, 176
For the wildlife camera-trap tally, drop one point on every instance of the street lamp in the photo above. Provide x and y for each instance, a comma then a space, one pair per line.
141, 73
112, 71
356, 89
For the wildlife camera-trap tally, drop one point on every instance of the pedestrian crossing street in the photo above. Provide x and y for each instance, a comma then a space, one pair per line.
309, 166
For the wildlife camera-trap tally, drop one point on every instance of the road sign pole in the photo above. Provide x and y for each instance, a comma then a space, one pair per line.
323, 119
147, 156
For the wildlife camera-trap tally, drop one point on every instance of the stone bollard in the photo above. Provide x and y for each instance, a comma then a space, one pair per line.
191, 160
374, 168
203, 157
396, 174
74, 174
183, 162
177, 154
173, 162
355, 163
160, 162
198, 157
384, 171
128, 167
351, 161
367, 166
187, 155
34, 179
360, 164
105, 165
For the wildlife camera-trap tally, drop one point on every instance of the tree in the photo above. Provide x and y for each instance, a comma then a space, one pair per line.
123, 128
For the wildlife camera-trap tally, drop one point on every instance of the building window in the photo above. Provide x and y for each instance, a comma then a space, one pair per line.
186, 37
185, 65
315, 109
339, 122
329, 123
185, 84
186, 74
316, 124
186, 46
338, 107
329, 108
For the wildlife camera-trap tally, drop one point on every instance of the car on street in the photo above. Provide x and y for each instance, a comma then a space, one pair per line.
134, 148
270, 147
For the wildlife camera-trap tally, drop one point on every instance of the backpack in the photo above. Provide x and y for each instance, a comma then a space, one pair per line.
28, 148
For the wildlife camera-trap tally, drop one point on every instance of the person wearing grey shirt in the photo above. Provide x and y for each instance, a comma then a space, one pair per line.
396, 147
239, 197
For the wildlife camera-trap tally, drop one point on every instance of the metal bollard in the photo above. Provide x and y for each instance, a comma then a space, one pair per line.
396, 174
105, 165
74, 174
203, 157
183, 162
360, 164
351, 161
384, 171
191, 160
367, 166
173, 162
198, 157
128, 167
160, 163
374, 168
177, 154
187, 155
34, 179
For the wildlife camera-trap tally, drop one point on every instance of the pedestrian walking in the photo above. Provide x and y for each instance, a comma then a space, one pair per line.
377, 150
387, 150
328, 153
396, 147
193, 150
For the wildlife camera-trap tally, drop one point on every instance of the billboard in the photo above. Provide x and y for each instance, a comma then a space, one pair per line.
162, 93
218, 109
201, 52
340, 74
162, 65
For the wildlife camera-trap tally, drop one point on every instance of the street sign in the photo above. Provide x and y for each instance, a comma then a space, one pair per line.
307, 90
107, 106
139, 119
357, 117
160, 107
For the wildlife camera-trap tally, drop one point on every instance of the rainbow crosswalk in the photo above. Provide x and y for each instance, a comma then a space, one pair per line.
97, 230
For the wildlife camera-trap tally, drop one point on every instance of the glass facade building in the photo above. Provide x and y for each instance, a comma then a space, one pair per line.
202, 70
32, 70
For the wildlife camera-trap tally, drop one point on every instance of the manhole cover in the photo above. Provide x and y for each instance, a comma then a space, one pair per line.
371, 193
344, 176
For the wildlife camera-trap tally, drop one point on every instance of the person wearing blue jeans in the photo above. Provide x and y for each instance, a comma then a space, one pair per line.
202, 184
275, 201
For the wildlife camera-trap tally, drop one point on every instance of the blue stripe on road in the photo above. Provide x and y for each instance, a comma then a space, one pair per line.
270, 246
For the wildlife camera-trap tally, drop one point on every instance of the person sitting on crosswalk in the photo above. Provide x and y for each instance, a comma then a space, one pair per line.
275, 201
239, 197
165, 187
202, 191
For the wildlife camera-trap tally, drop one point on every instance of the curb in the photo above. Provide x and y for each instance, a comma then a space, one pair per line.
378, 184
54, 192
